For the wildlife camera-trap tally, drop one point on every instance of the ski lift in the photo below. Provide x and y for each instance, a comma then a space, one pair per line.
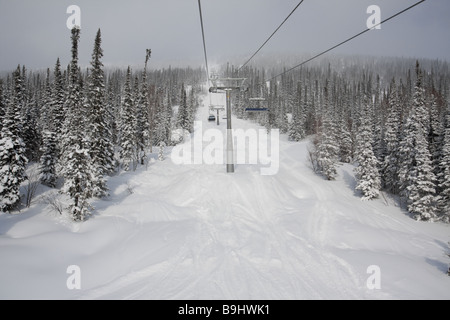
257, 105
216, 107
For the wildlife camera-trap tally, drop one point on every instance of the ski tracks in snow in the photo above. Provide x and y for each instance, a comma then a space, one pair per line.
249, 238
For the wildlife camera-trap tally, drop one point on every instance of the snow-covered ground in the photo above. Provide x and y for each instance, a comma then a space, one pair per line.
196, 232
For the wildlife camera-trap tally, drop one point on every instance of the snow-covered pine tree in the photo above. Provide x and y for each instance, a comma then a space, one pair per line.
392, 136
421, 193
310, 112
168, 118
49, 159
59, 93
192, 108
12, 170
128, 143
162, 123
30, 115
183, 121
435, 135
142, 120
416, 177
345, 138
444, 201
113, 107
162, 146
296, 131
270, 118
378, 124
76, 162
16, 105
12, 151
2, 105
49, 153
282, 117
327, 148
101, 148
367, 174
406, 151
46, 112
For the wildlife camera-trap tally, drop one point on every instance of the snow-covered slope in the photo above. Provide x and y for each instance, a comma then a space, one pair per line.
196, 232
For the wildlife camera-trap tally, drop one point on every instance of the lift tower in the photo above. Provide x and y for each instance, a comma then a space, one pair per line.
227, 85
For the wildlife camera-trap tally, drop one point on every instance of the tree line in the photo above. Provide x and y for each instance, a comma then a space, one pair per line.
81, 126
395, 127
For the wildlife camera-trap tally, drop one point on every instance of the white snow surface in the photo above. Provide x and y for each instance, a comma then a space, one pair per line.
196, 232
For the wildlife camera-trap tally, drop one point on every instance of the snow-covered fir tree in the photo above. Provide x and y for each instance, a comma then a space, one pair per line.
416, 177
49, 159
46, 108
2, 105
435, 134
162, 146
390, 166
128, 144
444, 201
270, 118
345, 141
162, 123
49, 152
193, 106
59, 92
167, 118
101, 146
421, 192
142, 118
183, 117
367, 174
327, 148
30, 115
406, 151
12, 151
12, 170
14, 120
76, 169
296, 131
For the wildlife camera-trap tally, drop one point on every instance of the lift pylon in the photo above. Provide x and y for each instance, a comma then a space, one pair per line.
227, 85
217, 108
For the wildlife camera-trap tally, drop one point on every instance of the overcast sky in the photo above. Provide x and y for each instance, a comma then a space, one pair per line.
34, 32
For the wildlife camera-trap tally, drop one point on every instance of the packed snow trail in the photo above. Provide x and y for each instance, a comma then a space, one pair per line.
196, 232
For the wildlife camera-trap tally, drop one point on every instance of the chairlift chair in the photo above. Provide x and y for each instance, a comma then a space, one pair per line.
257, 105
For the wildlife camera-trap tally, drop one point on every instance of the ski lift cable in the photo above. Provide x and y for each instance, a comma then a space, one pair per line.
204, 46
268, 39
345, 41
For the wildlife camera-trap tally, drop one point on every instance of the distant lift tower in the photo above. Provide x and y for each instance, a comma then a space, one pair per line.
227, 85
218, 109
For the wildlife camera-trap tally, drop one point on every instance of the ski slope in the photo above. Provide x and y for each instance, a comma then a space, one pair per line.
196, 232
